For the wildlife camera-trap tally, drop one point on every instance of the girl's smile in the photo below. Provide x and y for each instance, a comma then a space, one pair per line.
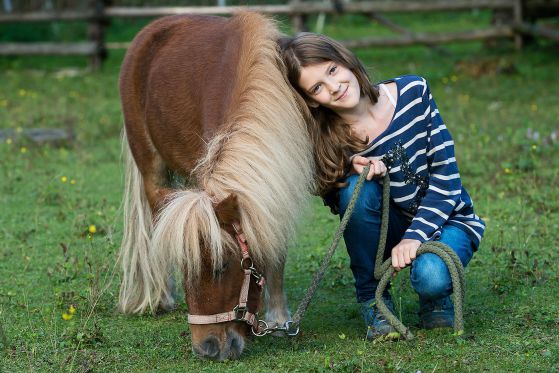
344, 95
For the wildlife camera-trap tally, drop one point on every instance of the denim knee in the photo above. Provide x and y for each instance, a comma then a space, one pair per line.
459, 241
430, 277
369, 199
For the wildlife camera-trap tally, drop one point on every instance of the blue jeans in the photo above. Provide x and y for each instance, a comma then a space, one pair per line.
429, 275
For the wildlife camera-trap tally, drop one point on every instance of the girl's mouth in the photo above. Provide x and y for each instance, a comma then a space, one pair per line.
343, 94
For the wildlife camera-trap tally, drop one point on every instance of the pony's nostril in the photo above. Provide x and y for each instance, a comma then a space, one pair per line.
210, 348
236, 349
236, 345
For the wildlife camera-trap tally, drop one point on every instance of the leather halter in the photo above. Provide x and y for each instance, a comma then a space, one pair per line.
240, 312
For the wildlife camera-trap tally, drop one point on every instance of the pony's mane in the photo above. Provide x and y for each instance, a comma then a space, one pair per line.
263, 153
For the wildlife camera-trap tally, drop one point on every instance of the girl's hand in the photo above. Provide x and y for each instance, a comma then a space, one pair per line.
377, 169
404, 253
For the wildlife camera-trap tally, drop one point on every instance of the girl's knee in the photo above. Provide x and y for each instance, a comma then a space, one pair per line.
370, 196
430, 277
459, 241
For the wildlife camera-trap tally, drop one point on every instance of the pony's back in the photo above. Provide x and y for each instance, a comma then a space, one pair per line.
180, 69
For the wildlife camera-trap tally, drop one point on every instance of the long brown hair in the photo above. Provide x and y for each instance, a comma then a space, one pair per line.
332, 137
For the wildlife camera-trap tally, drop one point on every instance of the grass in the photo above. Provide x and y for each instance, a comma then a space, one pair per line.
61, 225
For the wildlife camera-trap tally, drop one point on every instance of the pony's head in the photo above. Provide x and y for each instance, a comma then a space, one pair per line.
224, 299
222, 277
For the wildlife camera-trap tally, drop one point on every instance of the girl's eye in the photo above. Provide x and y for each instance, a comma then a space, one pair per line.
316, 89
333, 69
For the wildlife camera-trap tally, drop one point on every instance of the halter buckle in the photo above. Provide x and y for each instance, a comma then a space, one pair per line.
259, 277
240, 312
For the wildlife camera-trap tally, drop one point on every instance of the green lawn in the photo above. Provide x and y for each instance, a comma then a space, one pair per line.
60, 225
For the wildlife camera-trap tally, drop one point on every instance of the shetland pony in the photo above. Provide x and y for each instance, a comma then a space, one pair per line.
206, 101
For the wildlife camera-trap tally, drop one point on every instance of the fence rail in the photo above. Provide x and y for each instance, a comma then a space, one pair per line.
289, 9
98, 16
62, 49
432, 38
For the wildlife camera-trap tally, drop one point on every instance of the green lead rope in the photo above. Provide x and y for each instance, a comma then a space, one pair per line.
384, 271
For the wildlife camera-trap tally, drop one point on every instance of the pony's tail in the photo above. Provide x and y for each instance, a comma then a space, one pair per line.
186, 231
135, 294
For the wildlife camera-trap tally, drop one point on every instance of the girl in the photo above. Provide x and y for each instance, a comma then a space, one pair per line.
395, 127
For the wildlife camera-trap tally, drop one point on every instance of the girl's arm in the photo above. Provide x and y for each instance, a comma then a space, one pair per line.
445, 188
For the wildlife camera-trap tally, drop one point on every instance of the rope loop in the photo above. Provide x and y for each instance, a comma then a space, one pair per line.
384, 271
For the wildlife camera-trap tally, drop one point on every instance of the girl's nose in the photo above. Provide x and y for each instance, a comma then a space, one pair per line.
334, 87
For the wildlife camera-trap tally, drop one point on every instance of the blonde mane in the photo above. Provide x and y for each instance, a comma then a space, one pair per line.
264, 155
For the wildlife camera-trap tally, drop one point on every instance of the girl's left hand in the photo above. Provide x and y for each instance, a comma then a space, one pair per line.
404, 253
377, 169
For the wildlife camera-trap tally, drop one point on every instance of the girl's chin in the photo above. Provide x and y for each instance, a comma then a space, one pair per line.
348, 104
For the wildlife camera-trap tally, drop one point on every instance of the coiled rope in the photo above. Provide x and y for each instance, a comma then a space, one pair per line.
384, 271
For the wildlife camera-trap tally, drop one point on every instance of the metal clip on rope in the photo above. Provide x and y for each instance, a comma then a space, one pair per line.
263, 329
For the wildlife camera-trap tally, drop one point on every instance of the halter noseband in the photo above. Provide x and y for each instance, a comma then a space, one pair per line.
240, 312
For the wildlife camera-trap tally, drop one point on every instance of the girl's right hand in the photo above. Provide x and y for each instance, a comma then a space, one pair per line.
376, 171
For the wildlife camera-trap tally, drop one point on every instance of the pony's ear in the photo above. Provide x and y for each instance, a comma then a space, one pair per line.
227, 211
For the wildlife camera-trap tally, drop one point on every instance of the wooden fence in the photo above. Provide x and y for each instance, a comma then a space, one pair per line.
98, 15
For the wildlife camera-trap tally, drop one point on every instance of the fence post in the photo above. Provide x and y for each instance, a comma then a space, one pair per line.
96, 32
518, 19
298, 20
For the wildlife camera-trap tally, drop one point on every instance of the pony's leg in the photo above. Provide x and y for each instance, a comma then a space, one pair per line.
157, 195
154, 174
143, 198
276, 302
168, 304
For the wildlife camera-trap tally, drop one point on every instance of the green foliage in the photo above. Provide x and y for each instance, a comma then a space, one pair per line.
61, 224
54, 31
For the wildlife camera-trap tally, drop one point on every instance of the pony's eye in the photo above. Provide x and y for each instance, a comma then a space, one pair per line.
220, 271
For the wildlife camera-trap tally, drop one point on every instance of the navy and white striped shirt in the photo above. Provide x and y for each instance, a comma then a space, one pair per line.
424, 179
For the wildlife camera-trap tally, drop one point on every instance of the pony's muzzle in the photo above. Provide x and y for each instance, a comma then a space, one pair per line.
212, 349
209, 349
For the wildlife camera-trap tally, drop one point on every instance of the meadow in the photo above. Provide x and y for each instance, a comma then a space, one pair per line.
61, 223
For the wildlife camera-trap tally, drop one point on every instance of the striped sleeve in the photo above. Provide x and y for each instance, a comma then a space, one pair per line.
445, 188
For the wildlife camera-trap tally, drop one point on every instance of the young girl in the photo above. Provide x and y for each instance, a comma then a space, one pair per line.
395, 127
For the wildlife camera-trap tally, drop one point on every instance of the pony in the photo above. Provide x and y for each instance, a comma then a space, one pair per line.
217, 154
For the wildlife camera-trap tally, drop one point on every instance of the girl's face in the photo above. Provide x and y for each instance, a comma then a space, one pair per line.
331, 85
